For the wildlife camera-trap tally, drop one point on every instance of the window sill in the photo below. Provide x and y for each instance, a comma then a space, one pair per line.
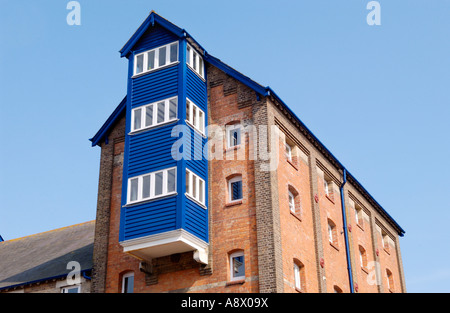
155, 69
332, 244
292, 164
150, 200
238, 202
195, 201
360, 226
195, 128
235, 282
387, 251
136, 132
233, 148
329, 198
295, 215
195, 72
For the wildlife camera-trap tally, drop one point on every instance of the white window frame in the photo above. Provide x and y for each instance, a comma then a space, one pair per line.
194, 119
297, 277
152, 196
232, 256
145, 59
230, 193
155, 123
229, 129
288, 151
125, 276
326, 186
330, 233
195, 194
291, 201
64, 289
200, 70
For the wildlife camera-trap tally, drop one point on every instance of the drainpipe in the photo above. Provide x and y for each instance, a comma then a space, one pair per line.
344, 219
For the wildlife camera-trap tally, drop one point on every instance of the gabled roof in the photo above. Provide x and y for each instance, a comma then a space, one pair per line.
44, 256
259, 89
103, 131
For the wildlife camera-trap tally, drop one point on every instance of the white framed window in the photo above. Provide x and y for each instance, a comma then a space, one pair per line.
326, 186
195, 61
152, 185
288, 151
195, 116
233, 135
156, 58
332, 233
291, 202
154, 114
195, 187
237, 266
235, 189
128, 283
297, 277
71, 289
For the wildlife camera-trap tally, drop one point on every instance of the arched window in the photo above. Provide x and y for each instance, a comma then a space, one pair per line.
237, 265
235, 192
128, 282
363, 257
299, 276
294, 201
332, 233
390, 280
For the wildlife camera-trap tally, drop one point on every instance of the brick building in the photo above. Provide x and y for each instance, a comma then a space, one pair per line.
199, 192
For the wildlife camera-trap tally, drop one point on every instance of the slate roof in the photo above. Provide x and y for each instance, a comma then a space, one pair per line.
45, 255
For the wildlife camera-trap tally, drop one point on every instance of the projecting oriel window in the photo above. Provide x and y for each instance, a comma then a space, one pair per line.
195, 187
152, 185
154, 114
195, 61
195, 117
156, 58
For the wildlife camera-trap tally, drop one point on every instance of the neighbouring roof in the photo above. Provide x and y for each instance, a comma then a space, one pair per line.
259, 90
44, 256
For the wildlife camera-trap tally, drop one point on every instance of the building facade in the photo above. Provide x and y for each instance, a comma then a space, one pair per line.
210, 183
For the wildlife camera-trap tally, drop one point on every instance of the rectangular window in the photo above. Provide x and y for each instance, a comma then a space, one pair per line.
195, 116
154, 114
195, 61
152, 185
288, 151
128, 283
291, 202
156, 58
237, 266
297, 278
233, 135
195, 187
71, 289
235, 189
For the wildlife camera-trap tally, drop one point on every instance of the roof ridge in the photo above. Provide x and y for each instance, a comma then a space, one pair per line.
48, 231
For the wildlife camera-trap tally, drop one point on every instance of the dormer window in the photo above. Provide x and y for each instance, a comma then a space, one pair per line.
156, 58
195, 61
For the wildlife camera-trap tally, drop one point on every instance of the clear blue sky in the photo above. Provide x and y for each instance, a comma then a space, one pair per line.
377, 96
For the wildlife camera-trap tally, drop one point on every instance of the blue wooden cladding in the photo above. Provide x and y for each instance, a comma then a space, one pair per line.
152, 149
